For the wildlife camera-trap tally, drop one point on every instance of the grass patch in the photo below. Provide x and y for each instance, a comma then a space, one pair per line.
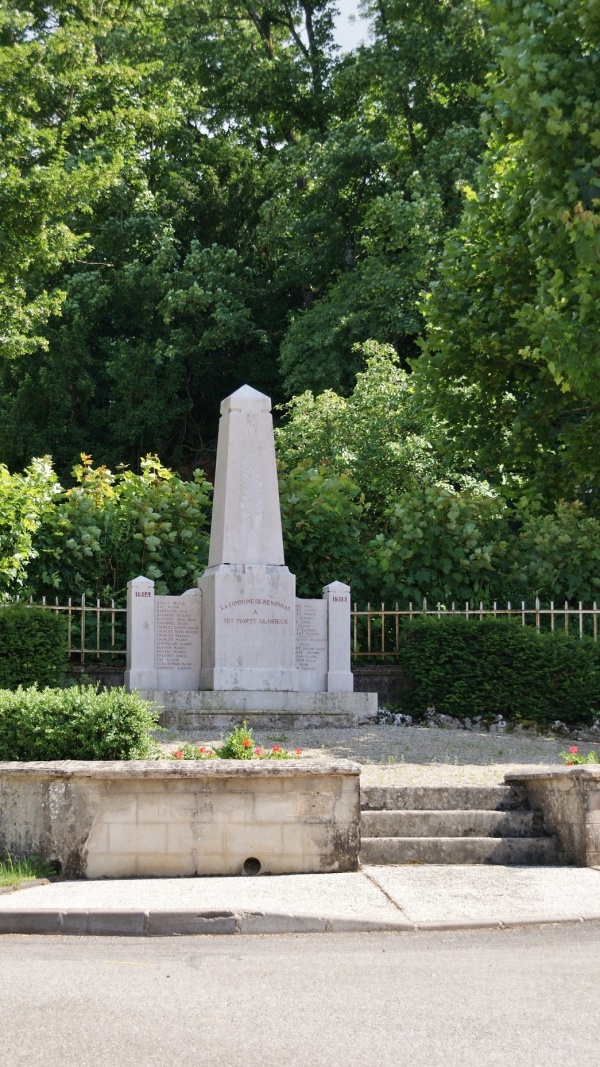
26, 869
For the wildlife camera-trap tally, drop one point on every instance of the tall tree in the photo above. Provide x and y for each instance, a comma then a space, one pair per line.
512, 356
157, 294
366, 208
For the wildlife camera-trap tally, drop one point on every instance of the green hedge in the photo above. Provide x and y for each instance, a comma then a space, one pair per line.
33, 646
77, 723
495, 667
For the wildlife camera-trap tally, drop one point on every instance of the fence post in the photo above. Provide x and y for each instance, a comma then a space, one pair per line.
82, 629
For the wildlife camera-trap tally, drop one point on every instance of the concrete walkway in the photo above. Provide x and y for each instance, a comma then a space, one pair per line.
401, 898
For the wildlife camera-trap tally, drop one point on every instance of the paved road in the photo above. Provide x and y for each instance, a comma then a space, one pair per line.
525, 996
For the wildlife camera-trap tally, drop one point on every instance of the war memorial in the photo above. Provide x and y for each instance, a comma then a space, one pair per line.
243, 643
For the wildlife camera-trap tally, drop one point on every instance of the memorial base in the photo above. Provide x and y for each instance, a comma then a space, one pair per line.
221, 710
242, 679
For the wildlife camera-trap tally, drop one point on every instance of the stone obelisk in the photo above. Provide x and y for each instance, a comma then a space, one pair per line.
248, 594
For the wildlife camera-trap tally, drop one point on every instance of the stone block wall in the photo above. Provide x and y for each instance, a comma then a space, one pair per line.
165, 819
569, 800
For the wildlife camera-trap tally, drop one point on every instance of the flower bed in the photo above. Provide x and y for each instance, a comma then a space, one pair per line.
239, 744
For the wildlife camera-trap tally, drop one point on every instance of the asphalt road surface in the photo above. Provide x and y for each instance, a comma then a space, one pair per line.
526, 996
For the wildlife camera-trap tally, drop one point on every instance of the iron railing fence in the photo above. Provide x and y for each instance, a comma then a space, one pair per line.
376, 631
97, 632
94, 631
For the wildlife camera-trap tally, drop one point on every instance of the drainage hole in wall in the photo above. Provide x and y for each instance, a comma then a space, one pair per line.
251, 865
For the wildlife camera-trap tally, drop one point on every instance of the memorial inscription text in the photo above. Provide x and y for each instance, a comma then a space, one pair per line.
177, 632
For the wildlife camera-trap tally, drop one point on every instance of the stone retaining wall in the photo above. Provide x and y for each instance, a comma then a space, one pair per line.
169, 819
569, 799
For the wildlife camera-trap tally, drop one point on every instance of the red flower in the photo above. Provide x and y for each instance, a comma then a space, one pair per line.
178, 754
573, 748
258, 751
247, 743
203, 749
298, 751
276, 748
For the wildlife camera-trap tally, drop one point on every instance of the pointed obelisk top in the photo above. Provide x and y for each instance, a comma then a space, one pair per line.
246, 522
245, 395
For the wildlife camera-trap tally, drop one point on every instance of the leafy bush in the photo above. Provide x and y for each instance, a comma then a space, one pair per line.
558, 555
377, 435
33, 646
322, 515
497, 667
77, 723
24, 501
110, 528
442, 544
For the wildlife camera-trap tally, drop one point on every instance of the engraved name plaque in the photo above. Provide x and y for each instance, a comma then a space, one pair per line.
177, 631
311, 644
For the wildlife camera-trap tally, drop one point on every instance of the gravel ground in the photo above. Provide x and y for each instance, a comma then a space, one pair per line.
392, 755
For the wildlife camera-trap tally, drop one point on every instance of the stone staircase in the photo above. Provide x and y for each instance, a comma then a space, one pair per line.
467, 824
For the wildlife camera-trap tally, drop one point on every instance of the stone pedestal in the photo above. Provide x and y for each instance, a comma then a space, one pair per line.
248, 628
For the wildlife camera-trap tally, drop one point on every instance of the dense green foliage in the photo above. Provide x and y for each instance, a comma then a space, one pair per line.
33, 646
25, 499
401, 241
188, 189
369, 493
110, 528
512, 357
75, 723
492, 667
385, 498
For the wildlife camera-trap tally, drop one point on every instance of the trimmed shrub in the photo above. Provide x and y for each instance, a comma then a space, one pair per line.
490, 667
33, 646
77, 723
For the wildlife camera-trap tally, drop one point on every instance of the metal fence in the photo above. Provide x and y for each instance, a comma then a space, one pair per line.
376, 632
94, 631
97, 632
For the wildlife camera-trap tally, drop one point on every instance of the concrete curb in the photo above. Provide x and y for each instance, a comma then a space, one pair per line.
132, 923
28, 883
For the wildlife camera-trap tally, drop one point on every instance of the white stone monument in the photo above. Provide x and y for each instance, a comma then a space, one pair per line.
243, 641
248, 594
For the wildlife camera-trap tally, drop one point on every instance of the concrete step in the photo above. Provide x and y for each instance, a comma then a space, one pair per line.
509, 851
450, 824
443, 798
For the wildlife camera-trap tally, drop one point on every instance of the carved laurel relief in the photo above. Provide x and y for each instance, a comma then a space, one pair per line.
251, 481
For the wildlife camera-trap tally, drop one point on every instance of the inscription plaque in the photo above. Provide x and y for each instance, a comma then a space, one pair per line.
177, 632
311, 643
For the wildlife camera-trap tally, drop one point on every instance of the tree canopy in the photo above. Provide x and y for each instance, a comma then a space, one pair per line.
512, 355
202, 193
399, 244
